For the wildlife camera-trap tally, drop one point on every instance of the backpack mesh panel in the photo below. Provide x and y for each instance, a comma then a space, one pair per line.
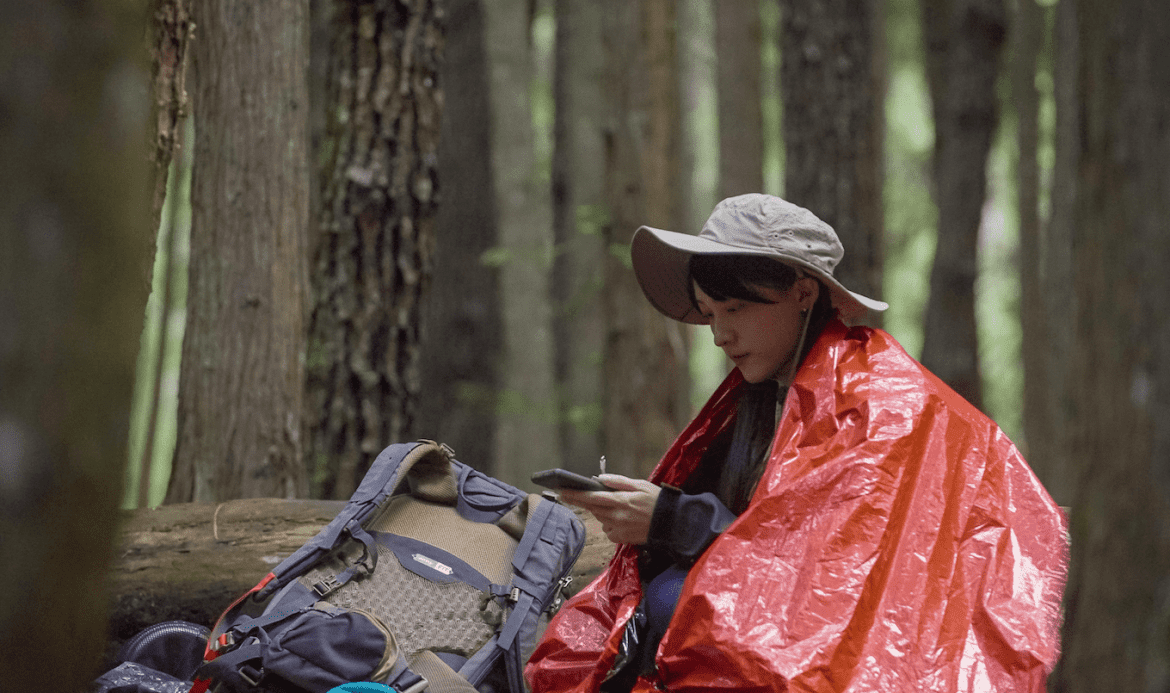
423, 615
406, 603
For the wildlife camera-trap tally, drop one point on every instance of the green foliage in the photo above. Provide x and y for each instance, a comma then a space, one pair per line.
168, 337
497, 256
622, 252
592, 219
540, 95
772, 113
911, 218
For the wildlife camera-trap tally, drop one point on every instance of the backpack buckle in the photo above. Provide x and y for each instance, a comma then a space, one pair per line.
250, 675
326, 586
222, 643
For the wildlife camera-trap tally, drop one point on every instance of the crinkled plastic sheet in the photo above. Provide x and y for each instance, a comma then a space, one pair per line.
897, 541
129, 677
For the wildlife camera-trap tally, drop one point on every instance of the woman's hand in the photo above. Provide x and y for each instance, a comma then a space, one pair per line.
624, 511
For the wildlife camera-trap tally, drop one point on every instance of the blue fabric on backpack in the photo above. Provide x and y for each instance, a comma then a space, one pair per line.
276, 630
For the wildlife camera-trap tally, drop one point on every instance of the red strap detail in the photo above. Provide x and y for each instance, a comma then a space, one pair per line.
210, 652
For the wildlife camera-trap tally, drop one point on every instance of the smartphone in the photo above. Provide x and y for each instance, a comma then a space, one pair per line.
564, 479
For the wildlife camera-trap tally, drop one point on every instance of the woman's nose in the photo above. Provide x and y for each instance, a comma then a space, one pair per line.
721, 334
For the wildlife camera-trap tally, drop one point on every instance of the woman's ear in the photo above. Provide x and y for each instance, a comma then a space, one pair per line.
808, 290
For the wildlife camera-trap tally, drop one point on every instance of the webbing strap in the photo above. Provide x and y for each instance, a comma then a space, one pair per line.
230, 666
294, 599
523, 591
532, 531
515, 620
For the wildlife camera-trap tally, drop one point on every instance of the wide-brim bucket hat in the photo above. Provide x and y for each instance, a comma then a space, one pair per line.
752, 224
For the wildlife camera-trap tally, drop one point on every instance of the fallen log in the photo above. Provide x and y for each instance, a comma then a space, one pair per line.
189, 561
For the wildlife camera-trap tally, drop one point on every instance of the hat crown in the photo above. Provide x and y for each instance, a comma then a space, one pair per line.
758, 222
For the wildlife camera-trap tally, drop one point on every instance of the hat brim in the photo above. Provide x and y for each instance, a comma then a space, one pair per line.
661, 264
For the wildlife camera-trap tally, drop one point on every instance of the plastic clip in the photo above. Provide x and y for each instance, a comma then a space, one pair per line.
250, 675
326, 586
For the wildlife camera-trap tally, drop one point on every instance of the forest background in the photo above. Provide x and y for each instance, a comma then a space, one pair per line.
380, 220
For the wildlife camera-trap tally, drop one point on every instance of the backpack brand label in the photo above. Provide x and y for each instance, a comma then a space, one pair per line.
432, 563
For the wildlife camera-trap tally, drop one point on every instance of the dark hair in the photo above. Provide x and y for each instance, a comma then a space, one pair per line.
723, 277
735, 276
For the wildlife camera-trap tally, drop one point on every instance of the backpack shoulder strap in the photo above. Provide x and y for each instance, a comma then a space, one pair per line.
552, 541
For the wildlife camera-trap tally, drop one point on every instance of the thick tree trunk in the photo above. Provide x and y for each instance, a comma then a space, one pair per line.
740, 97
646, 381
963, 40
241, 382
832, 102
75, 251
578, 215
1117, 633
461, 343
526, 434
374, 255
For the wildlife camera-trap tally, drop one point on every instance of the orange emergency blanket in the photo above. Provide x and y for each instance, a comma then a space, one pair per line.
896, 542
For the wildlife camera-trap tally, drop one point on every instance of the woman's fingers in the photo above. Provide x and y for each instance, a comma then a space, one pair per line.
624, 511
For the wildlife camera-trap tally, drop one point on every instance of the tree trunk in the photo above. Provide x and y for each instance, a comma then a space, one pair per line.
461, 342
740, 97
1052, 459
578, 216
373, 259
1117, 630
241, 383
832, 102
1027, 40
75, 252
527, 439
171, 33
963, 39
646, 381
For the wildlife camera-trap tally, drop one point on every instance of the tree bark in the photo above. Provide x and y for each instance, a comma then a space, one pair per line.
75, 253
646, 381
171, 39
740, 97
1117, 629
373, 260
832, 100
461, 343
241, 383
578, 215
963, 40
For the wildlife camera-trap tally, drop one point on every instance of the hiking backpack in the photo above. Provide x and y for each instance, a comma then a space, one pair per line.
434, 576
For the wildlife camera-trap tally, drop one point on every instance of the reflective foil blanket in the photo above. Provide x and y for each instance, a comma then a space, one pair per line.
896, 542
